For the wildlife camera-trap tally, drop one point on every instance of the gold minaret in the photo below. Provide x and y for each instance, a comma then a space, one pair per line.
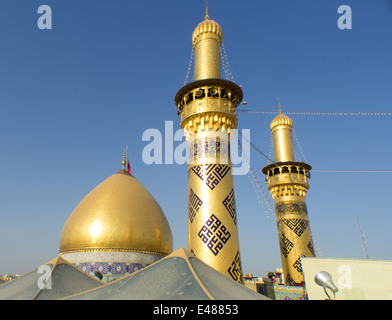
208, 113
288, 183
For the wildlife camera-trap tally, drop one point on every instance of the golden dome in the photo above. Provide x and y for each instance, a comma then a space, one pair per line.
207, 26
281, 120
118, 215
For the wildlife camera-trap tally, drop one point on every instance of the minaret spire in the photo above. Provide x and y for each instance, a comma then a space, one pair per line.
208, 114
207, 39
288, 182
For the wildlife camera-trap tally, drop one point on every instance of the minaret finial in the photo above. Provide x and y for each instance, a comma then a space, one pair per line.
207, 17
280, 109
124, 162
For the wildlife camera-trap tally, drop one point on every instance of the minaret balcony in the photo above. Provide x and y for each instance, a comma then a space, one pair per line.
287, 173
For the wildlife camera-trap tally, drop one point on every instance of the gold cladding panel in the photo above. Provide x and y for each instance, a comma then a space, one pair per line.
295, 238
212, 218
218, 107
207, 59
206, 40
283, 144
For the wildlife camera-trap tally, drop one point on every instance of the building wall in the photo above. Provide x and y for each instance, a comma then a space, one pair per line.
355, 279
278, 291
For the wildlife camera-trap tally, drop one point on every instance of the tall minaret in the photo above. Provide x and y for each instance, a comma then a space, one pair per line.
288, 183
208, 113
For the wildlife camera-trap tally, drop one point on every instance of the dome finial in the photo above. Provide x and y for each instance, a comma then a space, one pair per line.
124, 162
207, 17
280, 109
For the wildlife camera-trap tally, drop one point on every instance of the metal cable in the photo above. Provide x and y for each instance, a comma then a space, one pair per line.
319, 113
189, 67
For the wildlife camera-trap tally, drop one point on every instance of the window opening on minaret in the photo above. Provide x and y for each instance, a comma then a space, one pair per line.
213, 92
294, 170
200, 94
189, 98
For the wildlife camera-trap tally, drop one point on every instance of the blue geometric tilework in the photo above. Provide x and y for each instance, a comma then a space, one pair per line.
298, 226
214, 234
311, 247
291, 207
194, 204
297, 264
235, 268
211, 174
285, 245
229, 204
282, 292
109, 268
212, 147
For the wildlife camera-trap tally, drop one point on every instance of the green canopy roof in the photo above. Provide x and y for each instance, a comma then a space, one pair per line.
178, 276
54, 280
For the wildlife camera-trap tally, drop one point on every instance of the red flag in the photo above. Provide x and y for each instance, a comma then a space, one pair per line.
129, 168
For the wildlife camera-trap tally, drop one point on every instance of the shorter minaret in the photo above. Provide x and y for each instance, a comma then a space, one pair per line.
288, 183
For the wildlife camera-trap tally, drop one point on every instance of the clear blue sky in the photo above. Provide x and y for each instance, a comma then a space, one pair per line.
73, 97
